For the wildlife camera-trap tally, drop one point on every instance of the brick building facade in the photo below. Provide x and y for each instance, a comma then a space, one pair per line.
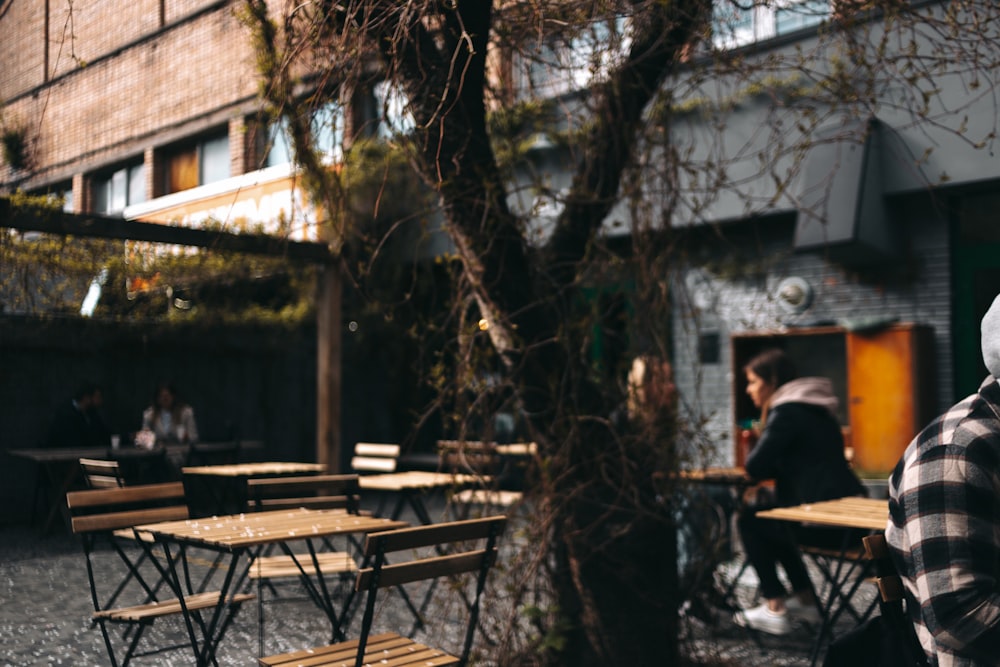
98, 86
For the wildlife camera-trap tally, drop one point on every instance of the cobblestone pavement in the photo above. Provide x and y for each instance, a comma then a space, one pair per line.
712, 638
45, 609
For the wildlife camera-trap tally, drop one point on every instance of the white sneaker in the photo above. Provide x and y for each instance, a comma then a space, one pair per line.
803, 612
763, 619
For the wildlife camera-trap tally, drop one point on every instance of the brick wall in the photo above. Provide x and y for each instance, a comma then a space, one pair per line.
162, 86
83, 32
22, 50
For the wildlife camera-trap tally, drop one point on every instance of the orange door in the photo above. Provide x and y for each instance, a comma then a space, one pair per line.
881, 392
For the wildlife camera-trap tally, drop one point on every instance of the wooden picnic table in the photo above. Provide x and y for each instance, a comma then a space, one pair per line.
243, 536
58, 471
852, 512
409, 487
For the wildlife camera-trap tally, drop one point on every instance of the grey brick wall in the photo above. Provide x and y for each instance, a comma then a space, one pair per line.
915, 289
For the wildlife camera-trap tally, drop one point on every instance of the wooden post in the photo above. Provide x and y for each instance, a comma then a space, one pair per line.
328, 389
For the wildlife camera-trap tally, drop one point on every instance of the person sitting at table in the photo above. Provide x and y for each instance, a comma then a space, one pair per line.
170, 418
801, 448
651, 388
78, 421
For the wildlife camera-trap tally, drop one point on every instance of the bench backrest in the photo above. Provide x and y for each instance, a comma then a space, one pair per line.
890, 585
445, 549
101, 474
895, 620
103, 510
311, 491
469, 456
375, 457
212, 453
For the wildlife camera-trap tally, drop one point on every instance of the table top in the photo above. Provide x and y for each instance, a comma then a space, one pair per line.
517, 449
253, 469
257, 528
851, 512
64, 454
732, 475
418, 479
47, 454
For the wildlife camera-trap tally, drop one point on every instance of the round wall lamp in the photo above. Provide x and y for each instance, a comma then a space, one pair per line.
794, 295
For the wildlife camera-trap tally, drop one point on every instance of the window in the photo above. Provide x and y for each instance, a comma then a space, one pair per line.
328, 130
733, 26
63, 191
572, 63
392, 104
327, 136
279, 144
206, 160
737, 23
115, 190
798, 15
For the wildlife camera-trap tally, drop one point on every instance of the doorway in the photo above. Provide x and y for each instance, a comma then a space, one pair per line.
975, 282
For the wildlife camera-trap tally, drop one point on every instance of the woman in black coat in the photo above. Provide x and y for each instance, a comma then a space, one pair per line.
801, 448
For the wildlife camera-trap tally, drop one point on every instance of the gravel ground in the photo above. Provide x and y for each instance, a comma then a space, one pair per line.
45, 608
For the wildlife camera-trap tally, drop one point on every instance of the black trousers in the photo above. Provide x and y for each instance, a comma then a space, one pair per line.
768, 543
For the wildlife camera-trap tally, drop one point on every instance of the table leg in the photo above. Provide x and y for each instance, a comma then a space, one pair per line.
317, 590
60, 479
837, 599
222, 613
419, 508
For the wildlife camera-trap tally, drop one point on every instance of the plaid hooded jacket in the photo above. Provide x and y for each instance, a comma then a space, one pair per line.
944, 531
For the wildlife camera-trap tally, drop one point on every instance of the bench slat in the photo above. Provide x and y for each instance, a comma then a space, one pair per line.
115, 520
154, 610
499, 498
125, 494
331, 562
388, 650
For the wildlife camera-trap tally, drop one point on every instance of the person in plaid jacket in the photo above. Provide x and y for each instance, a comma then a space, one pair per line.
944, 522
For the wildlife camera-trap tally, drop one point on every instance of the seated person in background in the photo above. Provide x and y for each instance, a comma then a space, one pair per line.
944, 522
651, 388
78, 422
169, 418
801, 448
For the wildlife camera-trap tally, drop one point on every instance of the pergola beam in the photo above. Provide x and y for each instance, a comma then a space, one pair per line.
30, 218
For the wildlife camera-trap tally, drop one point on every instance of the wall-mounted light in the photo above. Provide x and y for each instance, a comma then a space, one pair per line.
794, 295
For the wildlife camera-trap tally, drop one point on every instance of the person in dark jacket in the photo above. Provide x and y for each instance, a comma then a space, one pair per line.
801, 448
78, 422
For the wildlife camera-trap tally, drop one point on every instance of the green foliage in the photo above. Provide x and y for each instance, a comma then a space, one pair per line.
381, 183
520, 118
52, 274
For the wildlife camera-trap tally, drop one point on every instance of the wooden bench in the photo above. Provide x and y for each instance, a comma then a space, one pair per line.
101, 474
375, 457
313, 492
892, 598
473, 550
483, 460
326, 492
107, 515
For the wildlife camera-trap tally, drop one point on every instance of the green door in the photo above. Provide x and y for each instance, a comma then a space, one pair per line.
975, 283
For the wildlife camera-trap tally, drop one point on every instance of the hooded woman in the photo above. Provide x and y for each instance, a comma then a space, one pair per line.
801, 448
